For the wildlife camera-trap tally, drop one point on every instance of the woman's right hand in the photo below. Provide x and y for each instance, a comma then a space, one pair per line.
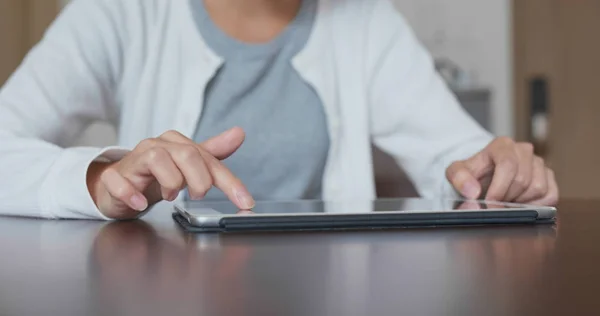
159, 168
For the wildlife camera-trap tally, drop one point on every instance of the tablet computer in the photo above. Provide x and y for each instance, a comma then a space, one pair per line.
200, 216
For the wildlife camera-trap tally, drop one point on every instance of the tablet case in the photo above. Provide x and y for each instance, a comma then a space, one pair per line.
350, 222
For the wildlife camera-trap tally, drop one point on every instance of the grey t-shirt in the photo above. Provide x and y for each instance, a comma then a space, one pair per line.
257, 88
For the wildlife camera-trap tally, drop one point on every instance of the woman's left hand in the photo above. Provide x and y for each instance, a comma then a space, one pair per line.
505, 171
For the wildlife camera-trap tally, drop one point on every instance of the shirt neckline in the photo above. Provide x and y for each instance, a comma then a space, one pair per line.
231, 48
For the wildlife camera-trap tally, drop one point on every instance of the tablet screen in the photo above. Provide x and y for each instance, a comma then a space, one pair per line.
313, 206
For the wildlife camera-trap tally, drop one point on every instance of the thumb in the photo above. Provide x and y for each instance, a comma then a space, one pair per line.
463, 180
225, 144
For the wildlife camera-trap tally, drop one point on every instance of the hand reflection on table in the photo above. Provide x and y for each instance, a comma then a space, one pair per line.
527, 247
135, 270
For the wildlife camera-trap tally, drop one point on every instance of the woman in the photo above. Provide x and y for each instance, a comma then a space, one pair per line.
311, 83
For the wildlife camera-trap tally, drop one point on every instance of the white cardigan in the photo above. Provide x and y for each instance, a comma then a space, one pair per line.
143, 66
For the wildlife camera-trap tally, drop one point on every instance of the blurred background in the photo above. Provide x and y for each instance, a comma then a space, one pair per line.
523, 68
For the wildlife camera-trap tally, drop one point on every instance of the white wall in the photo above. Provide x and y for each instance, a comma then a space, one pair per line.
476, 34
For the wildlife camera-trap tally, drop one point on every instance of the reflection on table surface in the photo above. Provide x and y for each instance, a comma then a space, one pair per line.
152, 268
312, 274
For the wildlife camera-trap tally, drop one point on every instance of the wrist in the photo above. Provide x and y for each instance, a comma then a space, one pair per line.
93, 181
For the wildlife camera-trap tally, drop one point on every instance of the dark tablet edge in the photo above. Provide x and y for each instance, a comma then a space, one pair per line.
310, 223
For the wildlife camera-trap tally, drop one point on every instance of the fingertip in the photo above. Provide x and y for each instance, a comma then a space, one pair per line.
249, 203
238, 130
226, 143
138, 202
466, 184
197, 196
244, 200
173, 196
471, 190
235, 134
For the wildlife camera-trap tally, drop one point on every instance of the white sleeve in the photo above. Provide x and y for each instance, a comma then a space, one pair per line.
65, 82
414, 116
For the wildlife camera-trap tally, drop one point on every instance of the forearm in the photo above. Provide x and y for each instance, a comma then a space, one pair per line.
39, 179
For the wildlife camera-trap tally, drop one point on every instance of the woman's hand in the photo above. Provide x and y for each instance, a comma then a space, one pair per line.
159, 168
505, 171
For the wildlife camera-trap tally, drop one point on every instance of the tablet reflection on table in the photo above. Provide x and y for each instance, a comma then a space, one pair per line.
511, 265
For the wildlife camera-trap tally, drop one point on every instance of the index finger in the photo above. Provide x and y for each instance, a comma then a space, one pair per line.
505, 171
227, 182
463, 180
223, 178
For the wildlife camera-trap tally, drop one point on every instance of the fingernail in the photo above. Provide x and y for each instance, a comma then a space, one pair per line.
470, 190
173, 196
197, 197
139, 202
229, 131
244, 199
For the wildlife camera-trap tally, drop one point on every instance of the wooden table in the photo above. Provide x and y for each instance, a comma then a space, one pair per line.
151, 268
